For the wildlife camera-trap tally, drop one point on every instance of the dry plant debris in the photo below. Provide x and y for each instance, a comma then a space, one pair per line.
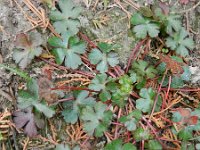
143, 104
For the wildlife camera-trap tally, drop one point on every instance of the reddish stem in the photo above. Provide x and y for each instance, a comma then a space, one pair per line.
153, 130
166, 95
128, 136
65, 68
182, 90
116, 128
158, 92
142, 145
84, 73
167, 120
55, 65
117, 71
83, 144
84, 37
120, 70
111, 74
117, 123
134, 54
134, 94
66, 99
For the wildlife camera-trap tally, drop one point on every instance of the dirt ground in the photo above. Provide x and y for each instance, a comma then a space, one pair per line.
114, 27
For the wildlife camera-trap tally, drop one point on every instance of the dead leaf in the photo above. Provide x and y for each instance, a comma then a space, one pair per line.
186, 117
22, 41
45, 92
47, 56
25, 119
193, 120
47, 71
174, 66
164, 7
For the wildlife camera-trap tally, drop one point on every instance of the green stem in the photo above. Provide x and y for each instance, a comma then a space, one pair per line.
16, 71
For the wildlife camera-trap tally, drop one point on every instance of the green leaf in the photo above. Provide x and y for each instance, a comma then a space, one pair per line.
141, 134
144, 27
103, 59
65, 50
176, 116
186, 76
33, 88
73, 108
1, 136
161, 68
120, 96
154, 145
70, 115
30, 98
177, 82
103, 84
131, 120
27, 47
171, 22
105, 47
130, 124
44, 109
67, 18
145, 103
96, 119
99, 82
143, 70
180, 42
62, 147
129, 146
197, 146
117, 145
185, 134
137, 19
114, 145
17, 71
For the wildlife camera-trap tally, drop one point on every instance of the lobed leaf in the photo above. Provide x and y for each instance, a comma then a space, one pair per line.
27, 47
66, 19
67, 51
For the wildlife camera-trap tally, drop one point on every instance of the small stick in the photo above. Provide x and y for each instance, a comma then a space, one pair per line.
158, 92
190, 9
133, 54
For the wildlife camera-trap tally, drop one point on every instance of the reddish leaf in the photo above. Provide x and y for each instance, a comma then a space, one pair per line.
184, 112
193, 120
22, 41
164, 7
187, 118
25, 119
45, 92
184, 2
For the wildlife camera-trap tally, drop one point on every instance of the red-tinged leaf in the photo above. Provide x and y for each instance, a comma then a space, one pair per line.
25, 119
193, 120
27, 47
22, 41
184, 112
45, 92
185, 2
164, 7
